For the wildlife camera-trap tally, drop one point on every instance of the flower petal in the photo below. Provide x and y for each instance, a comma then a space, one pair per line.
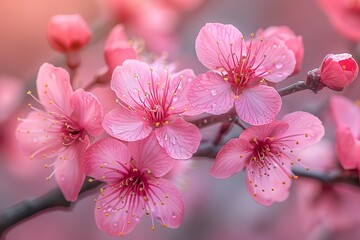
179, 138
129, 79
348, 148
304, 130
125, 125
68, 172
269, 188
345, 113
218, 46
39, 135
258, 105
148, 154
181, 85
117, 217
54, 89
211, 93
275, 60
169, 207
104, 156
232, 158
89, 111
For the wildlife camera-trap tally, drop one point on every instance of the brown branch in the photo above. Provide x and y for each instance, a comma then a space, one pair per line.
31, 207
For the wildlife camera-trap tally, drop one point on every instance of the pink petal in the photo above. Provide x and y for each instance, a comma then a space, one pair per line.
267, 189
103, 156
169, 207
258, 105
54, 89
218, 46
348, 148
304, 130
129, 79
68, 172
148, 154
275, 129
34, 137
345, 113
211, 93
125, 125
179, 138
181, 85
232, 158
89, 111
278, 63
117, 217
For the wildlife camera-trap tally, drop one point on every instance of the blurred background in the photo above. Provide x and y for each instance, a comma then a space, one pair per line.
214, 209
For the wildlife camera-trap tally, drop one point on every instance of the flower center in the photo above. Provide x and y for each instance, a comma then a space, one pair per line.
70, 133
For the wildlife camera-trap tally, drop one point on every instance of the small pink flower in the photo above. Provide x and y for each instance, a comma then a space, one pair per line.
267, 152
338, 71
347, 118
135, 185
293, 42
61, 130
68, 32
153, 99
344, 15
238, 73
118, 48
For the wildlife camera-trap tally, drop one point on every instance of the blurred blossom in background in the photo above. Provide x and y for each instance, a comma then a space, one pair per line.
214, 209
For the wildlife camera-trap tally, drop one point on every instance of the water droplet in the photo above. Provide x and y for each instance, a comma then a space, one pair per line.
53, 76
214, 106
283, 56
275, 45
281, 75
174, 216
213, 92
115, 224
278, 65
62, 178
173, 140
166, 137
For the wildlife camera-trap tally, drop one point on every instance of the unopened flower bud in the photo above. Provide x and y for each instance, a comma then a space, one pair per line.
118, 48
68, 34
338, 71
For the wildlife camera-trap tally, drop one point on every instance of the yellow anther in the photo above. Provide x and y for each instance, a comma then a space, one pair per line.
157, 124
51, 102
90, 180
166, 122
28, 92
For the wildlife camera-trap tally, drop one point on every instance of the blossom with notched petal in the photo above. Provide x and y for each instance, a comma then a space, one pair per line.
267, 152
238, 70
152, 99
134, 185
61, 130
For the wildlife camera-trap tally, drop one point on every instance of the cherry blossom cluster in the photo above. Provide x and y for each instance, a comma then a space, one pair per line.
138, 147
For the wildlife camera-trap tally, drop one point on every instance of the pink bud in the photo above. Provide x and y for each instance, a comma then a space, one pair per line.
293, 42
118, 48
68, 32
338, 71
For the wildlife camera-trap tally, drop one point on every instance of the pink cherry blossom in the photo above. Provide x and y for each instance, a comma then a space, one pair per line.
61, 130
134, 185
267, 152
293, 42
344, 16
338, 71
347, 118
118, 47
153, 99
238, 73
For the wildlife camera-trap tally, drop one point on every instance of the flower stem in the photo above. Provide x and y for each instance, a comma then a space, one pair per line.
296, 87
